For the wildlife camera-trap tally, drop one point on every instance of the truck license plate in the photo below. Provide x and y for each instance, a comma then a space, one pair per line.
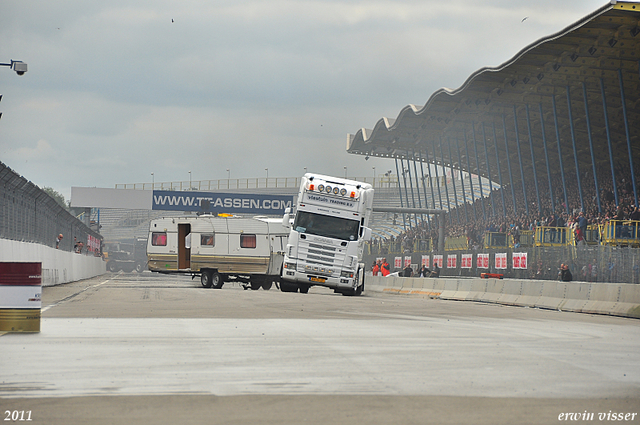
317, 279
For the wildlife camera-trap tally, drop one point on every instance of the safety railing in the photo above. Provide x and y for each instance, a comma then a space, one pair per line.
525, 239
496, 240
460, 243
621, 233
553, 236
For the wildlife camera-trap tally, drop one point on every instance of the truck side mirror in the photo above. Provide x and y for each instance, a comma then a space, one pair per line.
286, 218
366, 233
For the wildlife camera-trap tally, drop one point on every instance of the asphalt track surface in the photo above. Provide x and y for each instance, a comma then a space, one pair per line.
160, 349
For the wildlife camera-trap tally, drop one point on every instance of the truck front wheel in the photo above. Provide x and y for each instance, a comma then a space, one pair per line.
358, 290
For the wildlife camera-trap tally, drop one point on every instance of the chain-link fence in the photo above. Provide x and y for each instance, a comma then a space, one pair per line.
588, 263
29, 214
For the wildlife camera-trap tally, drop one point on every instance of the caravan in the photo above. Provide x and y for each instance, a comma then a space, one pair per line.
219, 249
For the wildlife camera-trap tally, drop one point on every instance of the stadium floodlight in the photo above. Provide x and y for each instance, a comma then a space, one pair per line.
18, 66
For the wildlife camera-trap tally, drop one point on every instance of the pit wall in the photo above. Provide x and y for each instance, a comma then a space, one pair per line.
616, 299
58, 266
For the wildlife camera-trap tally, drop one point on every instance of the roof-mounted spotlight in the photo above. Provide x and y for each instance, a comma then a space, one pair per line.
540, 76
499, 92
513, 83
525, 80
592, 50
573, 57
556, 66
635, 31
612, 42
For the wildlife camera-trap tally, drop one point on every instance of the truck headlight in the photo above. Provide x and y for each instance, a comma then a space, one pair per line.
346, 274
290, 266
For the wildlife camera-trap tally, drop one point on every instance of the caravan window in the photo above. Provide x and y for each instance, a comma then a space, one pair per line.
159, 239
247, 241
207, 240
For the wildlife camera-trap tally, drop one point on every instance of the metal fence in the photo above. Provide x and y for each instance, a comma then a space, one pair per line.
29, 214
587, 263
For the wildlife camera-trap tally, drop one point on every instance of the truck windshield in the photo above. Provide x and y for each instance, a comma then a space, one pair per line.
323, 225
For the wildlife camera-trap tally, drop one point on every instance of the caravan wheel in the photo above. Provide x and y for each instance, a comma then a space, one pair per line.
205, 279
216, 280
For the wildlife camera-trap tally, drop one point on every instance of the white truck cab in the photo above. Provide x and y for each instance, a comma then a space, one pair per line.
327, 235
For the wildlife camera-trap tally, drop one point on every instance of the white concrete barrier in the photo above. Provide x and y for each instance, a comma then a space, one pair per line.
618, 299
57, 266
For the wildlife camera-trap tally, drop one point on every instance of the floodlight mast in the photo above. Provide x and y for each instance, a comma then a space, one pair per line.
18, 66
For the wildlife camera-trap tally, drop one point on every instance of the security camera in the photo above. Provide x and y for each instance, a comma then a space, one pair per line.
20, 68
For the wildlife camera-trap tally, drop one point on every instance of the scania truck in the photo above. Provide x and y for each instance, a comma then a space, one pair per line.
327, 235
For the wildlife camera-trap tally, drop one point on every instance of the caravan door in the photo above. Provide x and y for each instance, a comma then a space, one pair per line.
184, 246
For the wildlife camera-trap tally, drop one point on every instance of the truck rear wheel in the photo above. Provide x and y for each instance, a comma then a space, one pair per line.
288, 287
112, 266
140, 266
266, 285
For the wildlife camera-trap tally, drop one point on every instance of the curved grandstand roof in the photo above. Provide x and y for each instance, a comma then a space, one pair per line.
552, 93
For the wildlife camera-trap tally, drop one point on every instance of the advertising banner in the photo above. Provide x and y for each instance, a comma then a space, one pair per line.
501, 260
519, 260
397, 263
483, 261
437, 259
425, 261
467, 261
407, 261
216, 203
452, 261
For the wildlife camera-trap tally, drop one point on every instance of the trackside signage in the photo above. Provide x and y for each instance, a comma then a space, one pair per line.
232, 203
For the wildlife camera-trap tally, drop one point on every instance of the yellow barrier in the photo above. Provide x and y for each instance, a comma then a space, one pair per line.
553, 236
459, 243
621, 233
497, 240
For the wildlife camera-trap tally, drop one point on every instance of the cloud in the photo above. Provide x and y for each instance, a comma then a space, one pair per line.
116, 91
41, 151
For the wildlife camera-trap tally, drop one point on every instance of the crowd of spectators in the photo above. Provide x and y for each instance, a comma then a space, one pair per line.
488, 214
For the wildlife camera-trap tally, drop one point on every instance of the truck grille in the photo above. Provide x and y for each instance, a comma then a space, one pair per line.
321, 254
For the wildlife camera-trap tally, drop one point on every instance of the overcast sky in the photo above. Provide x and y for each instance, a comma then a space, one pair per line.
118, 90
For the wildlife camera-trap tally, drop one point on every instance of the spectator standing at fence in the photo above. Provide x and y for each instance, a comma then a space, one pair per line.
580, 237
583, 223
436, 271
385, 269
593, 269
376, 268
566, 275
424, 271
408, 271
58, 240
635, 215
